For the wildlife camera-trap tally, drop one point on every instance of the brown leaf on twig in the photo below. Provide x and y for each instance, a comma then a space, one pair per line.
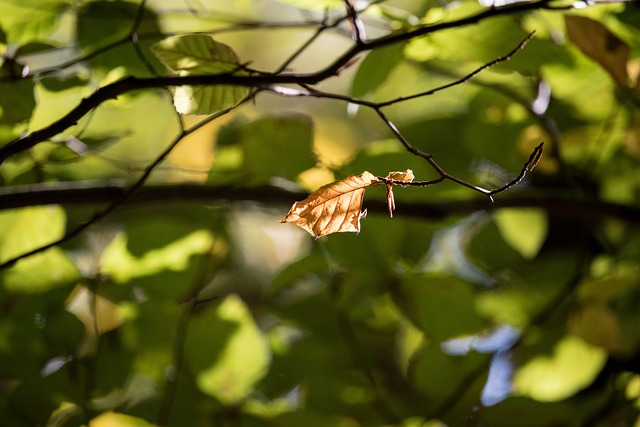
333, 208
398, 178
597, 42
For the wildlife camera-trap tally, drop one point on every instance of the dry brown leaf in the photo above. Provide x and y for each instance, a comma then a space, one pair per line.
596, 41
406, 176
399, 177
333, 208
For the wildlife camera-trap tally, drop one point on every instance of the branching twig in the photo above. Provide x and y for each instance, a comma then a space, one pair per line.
531, 163
464, 78
378, 106
259, 80
128, 193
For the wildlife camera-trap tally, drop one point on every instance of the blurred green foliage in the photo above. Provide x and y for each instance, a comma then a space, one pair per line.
213, 313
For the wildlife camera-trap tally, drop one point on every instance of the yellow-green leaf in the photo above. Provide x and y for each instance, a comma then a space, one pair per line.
111, 419
200, 54
123, 266
573, 365
243, 359
525, 230
195, 53
22, 230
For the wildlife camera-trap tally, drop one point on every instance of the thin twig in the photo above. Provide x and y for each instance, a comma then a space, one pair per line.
323, 27
531, 163
260, 80
128, 194
377, 107
464, 78
357, 28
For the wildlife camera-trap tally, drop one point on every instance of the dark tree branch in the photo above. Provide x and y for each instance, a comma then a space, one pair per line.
258, 80
88, 193
129, 192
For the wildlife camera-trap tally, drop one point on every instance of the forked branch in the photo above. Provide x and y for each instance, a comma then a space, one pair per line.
258, 79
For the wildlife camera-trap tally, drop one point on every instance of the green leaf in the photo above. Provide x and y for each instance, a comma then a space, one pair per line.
123, 264
525, 230
41, 272
200, 54
317, 4
375, 69
120, 420
100, 23
31, 20
148, 334
59, 84
573, 365
103, 23
271, 144
296, 273
207, 99
22, 230
441, 307
240, 355
17, 101
437, 374
196, 53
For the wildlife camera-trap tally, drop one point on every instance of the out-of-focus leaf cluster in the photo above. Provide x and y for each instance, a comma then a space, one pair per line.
213, 313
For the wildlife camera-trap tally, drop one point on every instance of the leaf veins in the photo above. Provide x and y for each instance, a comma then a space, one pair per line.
333, 208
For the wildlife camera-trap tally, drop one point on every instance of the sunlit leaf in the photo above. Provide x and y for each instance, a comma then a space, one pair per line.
317, 4
200, 54
109, 419
242, 357
573, 365
206, 99
333, 208
98, 314
123, 265
525, 230
22, 230
31, 20
196, 52
41, 272
601, 45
